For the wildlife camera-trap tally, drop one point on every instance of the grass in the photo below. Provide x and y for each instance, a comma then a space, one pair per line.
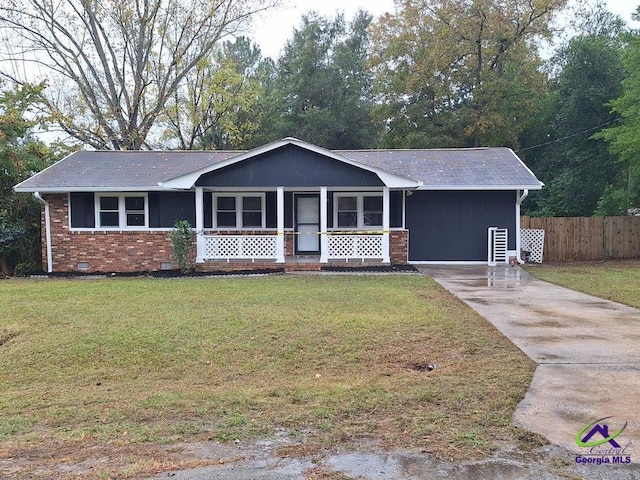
612, 280
125, 364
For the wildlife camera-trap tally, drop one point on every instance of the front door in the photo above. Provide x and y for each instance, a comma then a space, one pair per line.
307, 224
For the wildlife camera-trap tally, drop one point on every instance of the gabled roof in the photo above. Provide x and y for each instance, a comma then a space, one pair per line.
447, 169
388, 178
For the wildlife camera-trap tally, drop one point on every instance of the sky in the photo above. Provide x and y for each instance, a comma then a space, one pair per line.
273, 29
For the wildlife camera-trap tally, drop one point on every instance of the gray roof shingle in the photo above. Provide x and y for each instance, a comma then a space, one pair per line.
452, 168
125, 170
490, 168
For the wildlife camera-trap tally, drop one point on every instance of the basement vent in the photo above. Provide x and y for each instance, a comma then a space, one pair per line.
166, 266
498, 244
83, 266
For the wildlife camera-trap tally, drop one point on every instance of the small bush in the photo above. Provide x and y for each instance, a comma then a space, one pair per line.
182, 237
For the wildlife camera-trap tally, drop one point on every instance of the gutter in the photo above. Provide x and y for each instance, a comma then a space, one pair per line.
47, 221
520, 199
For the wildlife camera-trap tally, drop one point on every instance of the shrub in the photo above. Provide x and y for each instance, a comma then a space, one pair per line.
182, 237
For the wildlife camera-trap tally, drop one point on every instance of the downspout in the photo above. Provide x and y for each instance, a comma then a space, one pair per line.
520, 199
47, 223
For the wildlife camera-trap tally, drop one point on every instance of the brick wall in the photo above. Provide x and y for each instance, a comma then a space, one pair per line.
399, 247
118, 251
134, 251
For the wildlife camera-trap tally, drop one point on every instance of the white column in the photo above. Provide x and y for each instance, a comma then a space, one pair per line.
199, 225
280, 239
324, 241
519, 200
386, 258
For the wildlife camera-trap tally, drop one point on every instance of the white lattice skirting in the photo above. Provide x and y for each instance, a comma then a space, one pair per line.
355, 246
532, 241
240, 246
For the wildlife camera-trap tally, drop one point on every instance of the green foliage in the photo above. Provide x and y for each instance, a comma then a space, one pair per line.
622, 138
575, 165
456, 74
9, 237
182, 237
614, 201
219, 107
21, 156
325, 83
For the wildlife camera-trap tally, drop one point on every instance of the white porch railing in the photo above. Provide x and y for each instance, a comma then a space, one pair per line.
254, 247
354, 246
339, 246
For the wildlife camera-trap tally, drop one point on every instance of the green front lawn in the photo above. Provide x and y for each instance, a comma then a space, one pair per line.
613, 280
329, 359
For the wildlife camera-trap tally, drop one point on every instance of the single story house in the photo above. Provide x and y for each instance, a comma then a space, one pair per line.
286, 205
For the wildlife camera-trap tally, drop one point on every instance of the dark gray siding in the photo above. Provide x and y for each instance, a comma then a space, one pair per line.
290, 166
166, 208
208, 210
271, 209
452, 226
395, 207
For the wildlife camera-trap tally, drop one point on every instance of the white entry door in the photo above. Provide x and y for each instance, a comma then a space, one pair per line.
307, 224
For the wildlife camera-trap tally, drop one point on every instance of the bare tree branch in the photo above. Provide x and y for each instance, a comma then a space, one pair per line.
119, 61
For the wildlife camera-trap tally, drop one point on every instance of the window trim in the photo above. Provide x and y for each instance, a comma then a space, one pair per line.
239, 199
360, 210
122, 211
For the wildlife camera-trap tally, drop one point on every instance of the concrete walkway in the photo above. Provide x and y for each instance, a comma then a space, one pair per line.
587, 350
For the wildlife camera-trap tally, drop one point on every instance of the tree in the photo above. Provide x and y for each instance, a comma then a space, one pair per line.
325, 83
118, 61
454, 73
622, 138
218, 107
580, 174
271, 106
20, 156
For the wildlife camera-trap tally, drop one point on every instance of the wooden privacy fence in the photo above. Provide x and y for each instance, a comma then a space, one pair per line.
587, 238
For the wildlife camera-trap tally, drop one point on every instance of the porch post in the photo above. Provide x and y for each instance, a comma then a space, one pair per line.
280, 238
199, 225
324, 241
386, 258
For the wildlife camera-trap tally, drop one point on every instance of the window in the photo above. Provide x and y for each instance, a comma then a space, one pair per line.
372, 211
347, 212
252, 212
109, 212
239, 211
361, 211
121, 211
226, 211
134, 211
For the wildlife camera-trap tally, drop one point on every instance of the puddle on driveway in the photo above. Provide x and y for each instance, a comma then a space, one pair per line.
408, 466
547, 463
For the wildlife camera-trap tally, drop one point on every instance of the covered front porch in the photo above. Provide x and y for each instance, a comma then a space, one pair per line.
285, 225
292, 201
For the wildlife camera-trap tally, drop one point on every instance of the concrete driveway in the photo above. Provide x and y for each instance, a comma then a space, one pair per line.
587, 350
